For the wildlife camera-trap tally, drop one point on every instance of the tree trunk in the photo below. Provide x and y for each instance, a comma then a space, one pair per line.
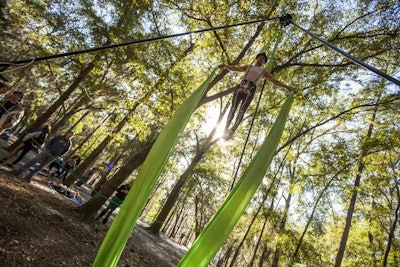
87, 137
371, 235
197, 221
173, 221
66, 117
84, 115
266, 195
253, 258
180, 219
392, 230
357, 180
43, 119
81, 168
233, 260
326, 187
84, 141
222, 261
168, 222
173, 196
90, 208
188, 237
78, 172
275, 262
264, 255
88, 149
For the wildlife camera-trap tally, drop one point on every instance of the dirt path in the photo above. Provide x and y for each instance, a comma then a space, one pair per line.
39, 227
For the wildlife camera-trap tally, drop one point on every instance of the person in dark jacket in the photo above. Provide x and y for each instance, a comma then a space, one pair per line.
57, 147
32, 140
115, 202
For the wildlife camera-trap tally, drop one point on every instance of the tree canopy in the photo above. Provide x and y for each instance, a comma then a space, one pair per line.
332, 193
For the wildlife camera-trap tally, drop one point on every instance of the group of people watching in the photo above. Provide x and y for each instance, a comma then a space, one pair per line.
11, 112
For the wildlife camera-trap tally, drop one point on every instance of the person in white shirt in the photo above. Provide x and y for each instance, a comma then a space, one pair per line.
11, 111
244, 92
31, 141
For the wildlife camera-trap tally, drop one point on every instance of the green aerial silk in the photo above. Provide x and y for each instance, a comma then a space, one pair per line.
218, 229
121, 229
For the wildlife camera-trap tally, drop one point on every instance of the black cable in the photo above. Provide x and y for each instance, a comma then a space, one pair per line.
133, 42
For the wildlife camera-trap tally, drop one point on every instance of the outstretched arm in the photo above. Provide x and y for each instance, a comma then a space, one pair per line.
233, 68
271, 78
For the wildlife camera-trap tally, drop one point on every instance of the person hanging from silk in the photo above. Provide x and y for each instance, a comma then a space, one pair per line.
245, 90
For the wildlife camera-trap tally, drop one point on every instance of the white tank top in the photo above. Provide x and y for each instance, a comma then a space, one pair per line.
253, 74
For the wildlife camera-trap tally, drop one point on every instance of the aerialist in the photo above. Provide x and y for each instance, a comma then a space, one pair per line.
244, 92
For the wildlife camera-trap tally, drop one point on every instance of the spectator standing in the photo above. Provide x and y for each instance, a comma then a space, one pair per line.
11, 111
98, 185
32, 140
85, 178
57, 147
56, 165
115, 202
69, 165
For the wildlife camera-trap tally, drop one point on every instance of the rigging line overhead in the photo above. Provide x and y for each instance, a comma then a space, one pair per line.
89, 50
349, 56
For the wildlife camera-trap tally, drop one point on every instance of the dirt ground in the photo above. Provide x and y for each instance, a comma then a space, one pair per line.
39, 227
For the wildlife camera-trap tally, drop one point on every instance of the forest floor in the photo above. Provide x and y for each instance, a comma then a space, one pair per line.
39, 227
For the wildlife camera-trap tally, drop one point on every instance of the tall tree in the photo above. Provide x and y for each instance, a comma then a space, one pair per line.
357, 181
90, 208
78, 172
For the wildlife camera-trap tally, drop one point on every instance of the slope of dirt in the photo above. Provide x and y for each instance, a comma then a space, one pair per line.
39, 227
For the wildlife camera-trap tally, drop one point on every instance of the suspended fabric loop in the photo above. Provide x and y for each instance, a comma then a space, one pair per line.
270, 62
218, 229
146, 180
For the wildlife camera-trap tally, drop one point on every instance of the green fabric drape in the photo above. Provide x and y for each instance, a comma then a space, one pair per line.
121, 229
218, 229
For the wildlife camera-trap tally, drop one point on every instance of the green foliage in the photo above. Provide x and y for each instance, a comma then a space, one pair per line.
326, 136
